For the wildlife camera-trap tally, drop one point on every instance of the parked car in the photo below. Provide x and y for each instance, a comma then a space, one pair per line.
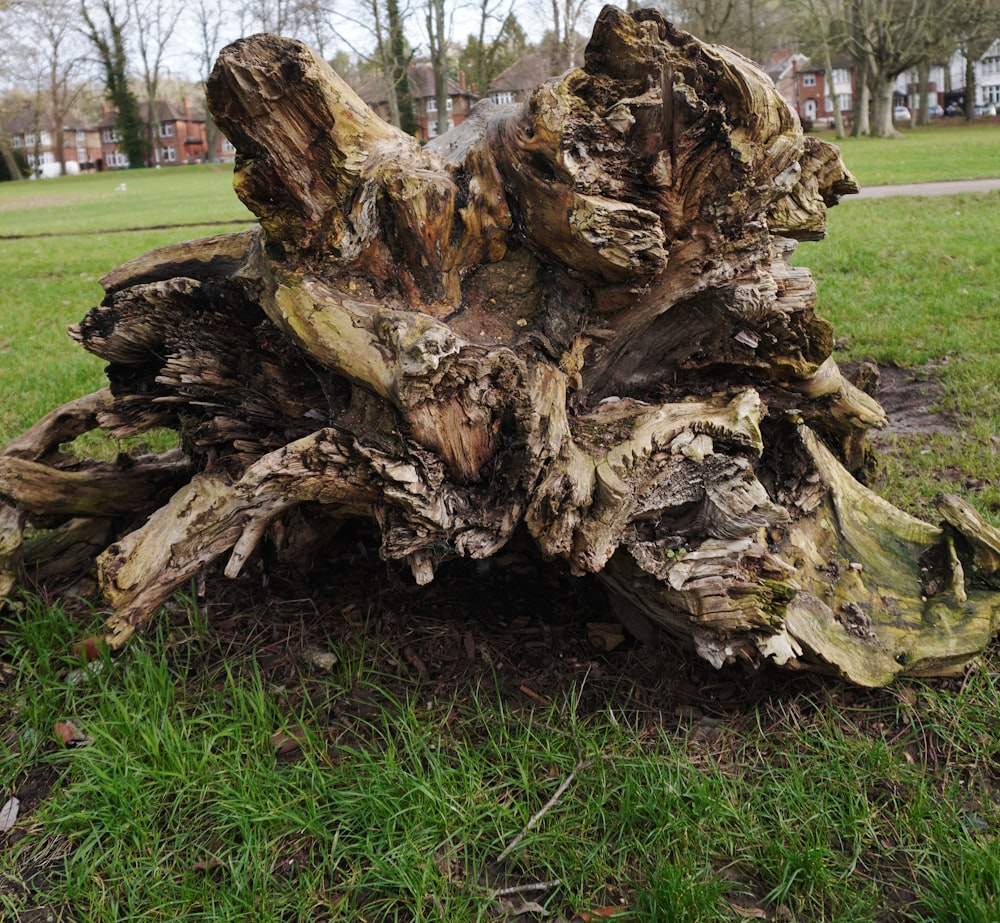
986, 109
935, 111
901, 114
953, 109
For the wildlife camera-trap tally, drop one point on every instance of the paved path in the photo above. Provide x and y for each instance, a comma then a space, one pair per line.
944, 188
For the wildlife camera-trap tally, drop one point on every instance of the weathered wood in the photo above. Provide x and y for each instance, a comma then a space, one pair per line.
578, 318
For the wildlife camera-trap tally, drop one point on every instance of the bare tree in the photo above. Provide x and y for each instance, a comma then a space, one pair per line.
8, 53
890, 37
709, 19
383, 21
977, 24
749, 26
314, 25
208, 19
281, 17
566, 18
486, 55
154, 23
820, 28
44, 39
940, 45
437, 38
107, 35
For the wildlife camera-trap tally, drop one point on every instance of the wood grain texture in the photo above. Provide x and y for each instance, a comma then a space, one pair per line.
578, 318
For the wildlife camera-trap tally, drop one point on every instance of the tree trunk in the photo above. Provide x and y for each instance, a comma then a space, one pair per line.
862, 101
924, 91
970, 85
576, 320
838, 118
882, 90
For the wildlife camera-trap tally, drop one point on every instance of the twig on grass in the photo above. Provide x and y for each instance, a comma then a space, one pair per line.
522, 889
566, 783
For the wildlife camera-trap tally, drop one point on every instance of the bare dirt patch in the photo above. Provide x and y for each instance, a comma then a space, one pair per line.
909, 396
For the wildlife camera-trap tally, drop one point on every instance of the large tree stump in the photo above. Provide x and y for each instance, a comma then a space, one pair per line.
575, 318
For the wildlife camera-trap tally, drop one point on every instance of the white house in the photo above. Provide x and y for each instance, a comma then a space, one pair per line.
987, 77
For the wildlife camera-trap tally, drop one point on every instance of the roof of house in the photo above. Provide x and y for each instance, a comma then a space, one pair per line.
421, 77
810, 66
165, 112
782, 62
528, 72
28, 118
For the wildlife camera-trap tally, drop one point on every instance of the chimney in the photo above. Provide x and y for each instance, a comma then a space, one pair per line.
461, 80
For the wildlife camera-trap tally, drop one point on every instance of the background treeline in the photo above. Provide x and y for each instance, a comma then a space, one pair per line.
63, 56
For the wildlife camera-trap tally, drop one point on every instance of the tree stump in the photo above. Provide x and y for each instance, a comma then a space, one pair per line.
576, 319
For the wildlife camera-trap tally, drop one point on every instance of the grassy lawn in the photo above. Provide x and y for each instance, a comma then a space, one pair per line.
217, 770
946, 150
49, 281
916, 283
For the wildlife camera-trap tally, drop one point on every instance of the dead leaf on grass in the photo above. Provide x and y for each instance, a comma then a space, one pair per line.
600, 913
206, 865
755, 913
289, 740
71, 735
8, 814
88, 649
319, 658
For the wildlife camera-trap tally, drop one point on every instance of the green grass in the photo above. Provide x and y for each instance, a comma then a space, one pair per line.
193, 195
808, 808
943, 151
814, 803
915, 282
49, 282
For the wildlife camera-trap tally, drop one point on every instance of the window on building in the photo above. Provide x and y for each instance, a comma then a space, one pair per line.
81, 137
29, 139
110, 135
168, 155
432, 104
228, 147
808, 80
166, 129
81, 155
432, 127
45, 139
503, 98
841, 77
15, 141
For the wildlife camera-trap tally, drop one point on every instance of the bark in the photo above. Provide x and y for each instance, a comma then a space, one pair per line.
882, 107
924, 91
577, 319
